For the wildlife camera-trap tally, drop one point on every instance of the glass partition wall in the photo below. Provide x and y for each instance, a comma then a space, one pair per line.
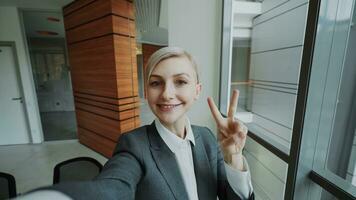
330, 115
293, 62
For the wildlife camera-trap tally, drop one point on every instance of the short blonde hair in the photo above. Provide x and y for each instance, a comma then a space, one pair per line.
165, 53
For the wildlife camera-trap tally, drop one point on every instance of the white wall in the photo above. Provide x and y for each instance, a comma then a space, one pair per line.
11, 31
196, 26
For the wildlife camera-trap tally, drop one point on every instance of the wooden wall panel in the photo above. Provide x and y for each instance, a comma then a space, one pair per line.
99, 104
97, 98
134, 69
123, 8
92, 11
93, 29
75, 5
102, 54
103, 126
129, 124
123, 26
112, 114
96, 142
124, 67
98, 9
92, 64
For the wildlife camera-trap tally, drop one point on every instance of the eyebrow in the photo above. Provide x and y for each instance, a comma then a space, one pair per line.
175, 75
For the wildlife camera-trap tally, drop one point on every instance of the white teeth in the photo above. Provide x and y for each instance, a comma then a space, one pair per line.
168, 106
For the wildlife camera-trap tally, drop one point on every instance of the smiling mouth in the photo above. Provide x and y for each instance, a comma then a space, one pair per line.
168, 107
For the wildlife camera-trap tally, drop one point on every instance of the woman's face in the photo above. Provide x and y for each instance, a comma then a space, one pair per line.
172, 89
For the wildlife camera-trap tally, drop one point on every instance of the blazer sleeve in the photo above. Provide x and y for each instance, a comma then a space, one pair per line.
117, 180
225, 191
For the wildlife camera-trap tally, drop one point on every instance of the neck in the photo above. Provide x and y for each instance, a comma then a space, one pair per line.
177, 127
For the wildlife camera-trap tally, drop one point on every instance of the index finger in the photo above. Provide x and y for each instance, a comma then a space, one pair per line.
215, 111
233, 104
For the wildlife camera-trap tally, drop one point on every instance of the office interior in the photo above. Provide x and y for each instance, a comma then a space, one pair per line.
72, 81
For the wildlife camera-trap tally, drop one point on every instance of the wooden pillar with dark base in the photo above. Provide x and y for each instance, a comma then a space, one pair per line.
102, 54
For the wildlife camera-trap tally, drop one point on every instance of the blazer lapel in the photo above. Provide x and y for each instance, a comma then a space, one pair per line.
166, 163
203, 172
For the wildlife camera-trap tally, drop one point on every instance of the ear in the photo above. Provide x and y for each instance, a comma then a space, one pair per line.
198, 89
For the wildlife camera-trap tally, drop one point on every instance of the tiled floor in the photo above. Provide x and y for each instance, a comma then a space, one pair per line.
32, 164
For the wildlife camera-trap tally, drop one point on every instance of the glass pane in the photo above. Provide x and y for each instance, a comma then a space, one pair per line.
55, 64
265, 66
268, 172
338, 113
240, 75
341, 158
40, 69
325, 195
332, 94
266, 55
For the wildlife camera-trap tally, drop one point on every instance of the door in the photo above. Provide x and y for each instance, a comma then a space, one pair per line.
13, 122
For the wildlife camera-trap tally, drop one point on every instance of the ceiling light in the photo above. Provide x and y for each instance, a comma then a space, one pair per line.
53, 19
47, 33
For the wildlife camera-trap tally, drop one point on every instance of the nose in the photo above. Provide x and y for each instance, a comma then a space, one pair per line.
168, 92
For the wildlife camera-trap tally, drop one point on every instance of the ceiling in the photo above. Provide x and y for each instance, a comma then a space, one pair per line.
152, 21
36, 4
151, 18
37, 21
35, 14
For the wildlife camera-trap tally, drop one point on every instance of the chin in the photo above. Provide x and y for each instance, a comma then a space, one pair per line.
169, 118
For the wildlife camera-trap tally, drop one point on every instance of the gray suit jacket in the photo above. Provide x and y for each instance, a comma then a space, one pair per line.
143, 167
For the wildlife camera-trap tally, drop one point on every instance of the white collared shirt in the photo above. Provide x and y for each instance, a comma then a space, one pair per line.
183, 152
240, 181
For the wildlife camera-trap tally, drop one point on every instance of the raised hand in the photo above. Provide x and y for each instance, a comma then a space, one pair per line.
231, 132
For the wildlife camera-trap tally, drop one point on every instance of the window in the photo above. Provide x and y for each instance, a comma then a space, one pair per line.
331, 107
264, 65
293, 63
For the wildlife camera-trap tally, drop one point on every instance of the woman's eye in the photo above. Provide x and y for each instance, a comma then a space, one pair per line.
154, 83
181, 82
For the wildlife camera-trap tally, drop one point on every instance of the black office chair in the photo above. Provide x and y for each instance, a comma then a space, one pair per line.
76, 169
7, 186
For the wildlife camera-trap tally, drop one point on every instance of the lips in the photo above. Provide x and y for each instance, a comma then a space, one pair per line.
167, 107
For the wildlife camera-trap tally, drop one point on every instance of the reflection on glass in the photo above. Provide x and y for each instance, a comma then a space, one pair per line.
341, 158
265, 65
335, 84
48, 67
240, 74
328, 196
53, 88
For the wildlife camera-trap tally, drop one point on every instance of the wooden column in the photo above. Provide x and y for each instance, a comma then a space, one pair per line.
102, 55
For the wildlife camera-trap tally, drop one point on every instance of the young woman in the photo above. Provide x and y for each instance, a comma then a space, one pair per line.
172, 159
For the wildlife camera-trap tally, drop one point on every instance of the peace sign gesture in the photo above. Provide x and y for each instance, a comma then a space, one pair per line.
231, 132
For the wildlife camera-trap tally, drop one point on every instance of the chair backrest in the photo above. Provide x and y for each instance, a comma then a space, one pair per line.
76, 169
7, 186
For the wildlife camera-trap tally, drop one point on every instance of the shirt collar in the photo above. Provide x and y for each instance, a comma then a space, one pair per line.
171, 139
